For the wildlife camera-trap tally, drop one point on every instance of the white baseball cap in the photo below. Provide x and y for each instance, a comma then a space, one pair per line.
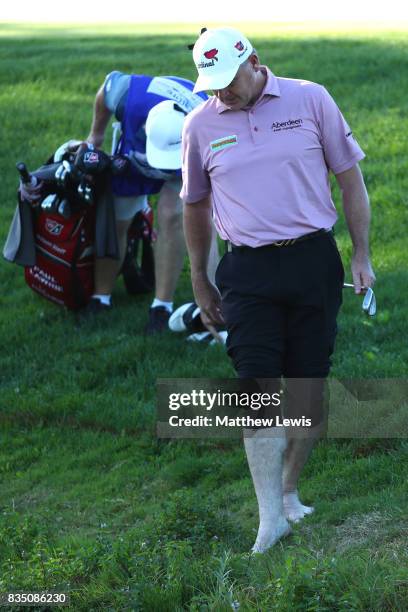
218, 54
164, 125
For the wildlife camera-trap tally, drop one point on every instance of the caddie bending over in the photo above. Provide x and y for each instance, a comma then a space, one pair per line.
151, 111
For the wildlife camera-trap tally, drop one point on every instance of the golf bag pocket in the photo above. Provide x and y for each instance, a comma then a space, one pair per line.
63, 272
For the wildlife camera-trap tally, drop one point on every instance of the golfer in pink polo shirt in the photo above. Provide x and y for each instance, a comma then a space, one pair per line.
257, 157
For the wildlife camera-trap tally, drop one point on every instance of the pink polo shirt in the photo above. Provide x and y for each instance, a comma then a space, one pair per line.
267, 166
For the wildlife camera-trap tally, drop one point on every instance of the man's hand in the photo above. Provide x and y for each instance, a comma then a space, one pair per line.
208, 298
198, 230
30, 193
362, 271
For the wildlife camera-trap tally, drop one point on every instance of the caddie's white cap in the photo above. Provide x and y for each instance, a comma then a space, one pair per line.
218, 54
164, 125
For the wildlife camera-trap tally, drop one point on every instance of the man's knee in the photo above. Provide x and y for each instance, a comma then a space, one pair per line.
122, 228
170, 206
309, 369
169, 217
306, 398
252, 436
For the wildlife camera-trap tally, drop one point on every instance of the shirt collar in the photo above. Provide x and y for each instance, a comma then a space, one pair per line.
271, 89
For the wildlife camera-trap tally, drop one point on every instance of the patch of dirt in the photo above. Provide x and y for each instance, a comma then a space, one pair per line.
359, 528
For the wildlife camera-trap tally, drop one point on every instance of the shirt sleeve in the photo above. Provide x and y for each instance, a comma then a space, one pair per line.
341, 150
196, 182
115, 88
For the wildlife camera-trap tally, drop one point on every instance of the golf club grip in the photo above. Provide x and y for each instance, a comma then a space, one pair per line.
23, 172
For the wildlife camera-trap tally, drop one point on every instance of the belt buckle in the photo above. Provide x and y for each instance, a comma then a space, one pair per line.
282, 243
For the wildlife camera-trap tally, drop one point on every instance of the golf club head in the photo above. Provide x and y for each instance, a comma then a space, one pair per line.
369, 306
369, 303
50, 203
64, 209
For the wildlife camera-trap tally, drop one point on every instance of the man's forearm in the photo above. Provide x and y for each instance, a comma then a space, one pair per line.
357, 212
356, 209
198, 233
101, 117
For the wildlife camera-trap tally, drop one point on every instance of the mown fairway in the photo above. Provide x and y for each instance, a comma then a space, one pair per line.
91, 502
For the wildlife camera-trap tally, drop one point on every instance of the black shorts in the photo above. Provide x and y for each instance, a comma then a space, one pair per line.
280, 306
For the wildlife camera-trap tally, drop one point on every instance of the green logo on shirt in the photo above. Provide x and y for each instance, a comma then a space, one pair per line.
222, 143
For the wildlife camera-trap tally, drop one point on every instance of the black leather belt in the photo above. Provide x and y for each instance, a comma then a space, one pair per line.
279, 243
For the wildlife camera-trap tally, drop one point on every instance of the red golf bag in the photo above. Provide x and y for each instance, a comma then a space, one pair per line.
64, 222
63, 272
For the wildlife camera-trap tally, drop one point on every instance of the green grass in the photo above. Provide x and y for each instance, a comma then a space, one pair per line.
91, 501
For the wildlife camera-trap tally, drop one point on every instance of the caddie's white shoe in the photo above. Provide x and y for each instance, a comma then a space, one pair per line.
187, 318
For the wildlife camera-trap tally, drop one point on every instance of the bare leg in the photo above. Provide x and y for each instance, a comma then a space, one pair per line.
107, 269
296, 455
170, 245
303, 396
265, 454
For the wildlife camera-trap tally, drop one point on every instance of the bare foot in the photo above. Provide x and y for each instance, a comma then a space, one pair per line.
293, 508
269, 533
